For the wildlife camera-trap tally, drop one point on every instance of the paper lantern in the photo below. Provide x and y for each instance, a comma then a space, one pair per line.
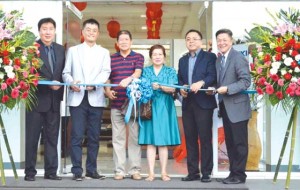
117, 47
154, 6
80, 5
154, 14
113, 27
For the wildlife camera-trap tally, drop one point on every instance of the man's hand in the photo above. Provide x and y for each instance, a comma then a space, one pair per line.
125, 82
75, 88
111, 94
183, 92
90, 88
211, 91
222, 90
55, 87
195, 87
155, 86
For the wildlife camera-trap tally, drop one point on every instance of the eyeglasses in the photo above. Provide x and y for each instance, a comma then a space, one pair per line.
192, 39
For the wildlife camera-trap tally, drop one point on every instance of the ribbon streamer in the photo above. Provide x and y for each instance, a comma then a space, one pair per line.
46, 82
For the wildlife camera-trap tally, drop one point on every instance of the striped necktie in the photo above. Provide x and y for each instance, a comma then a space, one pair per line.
50, 58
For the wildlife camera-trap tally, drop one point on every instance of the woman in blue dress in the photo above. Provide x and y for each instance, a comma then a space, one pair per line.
162, 131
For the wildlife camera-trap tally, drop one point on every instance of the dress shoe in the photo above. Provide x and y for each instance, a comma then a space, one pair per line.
29, 178
233, 180
52, 177
118, 177
205, 178
77, 177
191, 178
94, 175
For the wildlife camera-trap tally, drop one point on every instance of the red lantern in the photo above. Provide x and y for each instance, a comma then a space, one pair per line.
153, 35
154, 14
153, 6
113, 27
80, 5
153, 24
117, 47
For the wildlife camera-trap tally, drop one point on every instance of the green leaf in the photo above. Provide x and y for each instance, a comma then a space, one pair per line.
27, 36
256, 34
11, 103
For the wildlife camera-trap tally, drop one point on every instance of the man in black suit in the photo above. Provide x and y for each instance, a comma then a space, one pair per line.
197, 70
45, 116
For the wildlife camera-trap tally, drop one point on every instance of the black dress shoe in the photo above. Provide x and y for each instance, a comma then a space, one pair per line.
205, 178
191, 178
29, 178
233, 180
52, 177
94, 175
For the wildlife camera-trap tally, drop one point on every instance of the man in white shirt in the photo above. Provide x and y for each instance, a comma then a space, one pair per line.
86, 63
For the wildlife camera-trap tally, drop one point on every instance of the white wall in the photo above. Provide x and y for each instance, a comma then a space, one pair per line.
239, 16
14, 120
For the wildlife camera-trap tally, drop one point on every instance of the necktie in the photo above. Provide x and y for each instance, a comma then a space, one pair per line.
50, 58
222, 68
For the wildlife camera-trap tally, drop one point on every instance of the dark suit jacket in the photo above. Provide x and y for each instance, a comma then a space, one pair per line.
204, 69
237, 78
47, 97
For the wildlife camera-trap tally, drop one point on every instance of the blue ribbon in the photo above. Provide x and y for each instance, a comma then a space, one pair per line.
46, 82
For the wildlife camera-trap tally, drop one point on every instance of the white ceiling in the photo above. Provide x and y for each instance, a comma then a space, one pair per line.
178, 17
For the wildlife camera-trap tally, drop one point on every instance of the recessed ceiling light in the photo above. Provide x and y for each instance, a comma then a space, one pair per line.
143, 16
144, 27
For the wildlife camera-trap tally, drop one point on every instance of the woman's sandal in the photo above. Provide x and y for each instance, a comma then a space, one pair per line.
165, 177
150, 177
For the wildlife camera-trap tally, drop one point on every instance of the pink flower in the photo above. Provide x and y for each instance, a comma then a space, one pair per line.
24, 95
280, 82
25, 74
259, 91
15, 93
297, 91
293, 86
3, 86
298, 81
279, 95
259, 70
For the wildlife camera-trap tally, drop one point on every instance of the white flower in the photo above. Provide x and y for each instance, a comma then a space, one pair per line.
260, 54
290, 71
1, 60
273, 71
276, 65
11, 75
283, 56
288, 61
297, 57
294, 79
1, 75
8, 69
283, 71
272, 45
12, 49
297, 70
24, 58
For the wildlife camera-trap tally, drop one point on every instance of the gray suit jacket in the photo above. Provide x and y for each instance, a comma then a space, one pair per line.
75, 70
236, 78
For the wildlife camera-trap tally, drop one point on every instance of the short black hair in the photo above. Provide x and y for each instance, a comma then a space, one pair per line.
90, 21
46, 20
124, 32
194, 30
157, 46
224, 31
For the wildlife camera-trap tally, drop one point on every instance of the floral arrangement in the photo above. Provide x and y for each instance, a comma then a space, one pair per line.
276, 66
140, 90
19, 62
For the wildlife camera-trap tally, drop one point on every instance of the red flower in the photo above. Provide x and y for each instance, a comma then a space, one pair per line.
287, 76
278, 49
269, 89
297, 91
297, 46
294, 64
24, 95
262, 81
259, 91
5, 98
17, 61
279, 95
15, 93
5, 53
275, 78
292, 42
278, 57
6, 61
3, 86
35, 82
294, 53
23, 85
252, 67
267, 58
9, 81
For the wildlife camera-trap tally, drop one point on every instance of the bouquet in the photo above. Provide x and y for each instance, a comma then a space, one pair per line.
276, 66
19, 62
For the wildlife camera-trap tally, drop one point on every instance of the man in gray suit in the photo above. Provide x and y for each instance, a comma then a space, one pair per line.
233, 76
86, 63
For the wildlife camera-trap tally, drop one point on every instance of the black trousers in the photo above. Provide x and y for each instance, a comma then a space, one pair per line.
197, 122
236, 139
48, 123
